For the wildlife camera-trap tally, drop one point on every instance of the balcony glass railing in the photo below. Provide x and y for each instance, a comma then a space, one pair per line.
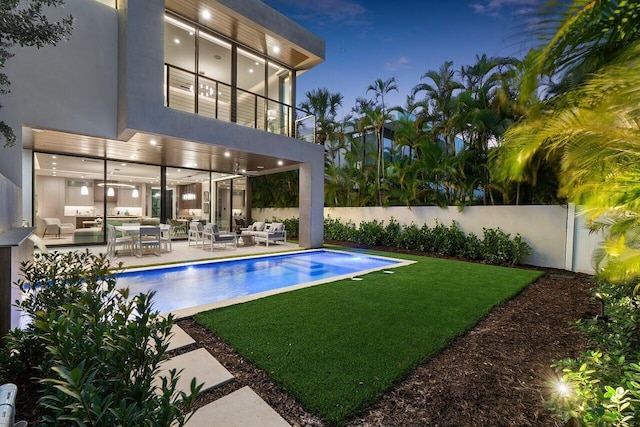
187, 91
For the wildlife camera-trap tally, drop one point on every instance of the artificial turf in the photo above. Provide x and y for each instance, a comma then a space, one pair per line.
337, 347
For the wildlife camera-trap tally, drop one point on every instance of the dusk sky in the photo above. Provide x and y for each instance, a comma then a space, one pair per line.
371, 39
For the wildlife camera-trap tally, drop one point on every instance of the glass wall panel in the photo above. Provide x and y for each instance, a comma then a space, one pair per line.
64, 192
179, 54
128, 189
223, 204
239, 204
179, 44
192, 194
251, 72
214, 58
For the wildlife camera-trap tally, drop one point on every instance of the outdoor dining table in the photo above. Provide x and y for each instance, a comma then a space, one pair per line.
133, 230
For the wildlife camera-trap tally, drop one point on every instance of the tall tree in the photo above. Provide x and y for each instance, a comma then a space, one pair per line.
23, 23
440, 97
324, 105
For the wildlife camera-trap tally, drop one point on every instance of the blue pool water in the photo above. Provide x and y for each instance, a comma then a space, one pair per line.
193, 285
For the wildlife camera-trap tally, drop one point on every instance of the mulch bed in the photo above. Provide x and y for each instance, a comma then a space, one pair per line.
495, 375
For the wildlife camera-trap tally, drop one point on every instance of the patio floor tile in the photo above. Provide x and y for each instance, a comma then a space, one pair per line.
242, 408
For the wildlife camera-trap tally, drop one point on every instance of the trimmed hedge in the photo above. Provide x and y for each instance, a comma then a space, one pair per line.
495, 246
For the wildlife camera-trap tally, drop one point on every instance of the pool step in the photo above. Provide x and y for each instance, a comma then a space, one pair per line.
199, 364
242, 408
179, 338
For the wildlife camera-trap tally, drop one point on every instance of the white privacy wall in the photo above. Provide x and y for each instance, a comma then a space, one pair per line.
556, 241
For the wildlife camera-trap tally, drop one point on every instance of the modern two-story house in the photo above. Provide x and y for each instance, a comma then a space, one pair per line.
163, 109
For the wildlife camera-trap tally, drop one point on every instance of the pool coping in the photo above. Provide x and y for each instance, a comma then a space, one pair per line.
190, 311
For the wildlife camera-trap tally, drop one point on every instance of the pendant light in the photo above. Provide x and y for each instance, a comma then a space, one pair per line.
84, 191
134, 193
110, 192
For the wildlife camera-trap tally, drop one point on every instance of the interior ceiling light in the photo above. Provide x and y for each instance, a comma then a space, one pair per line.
280, 163
227, 154
153, 142
111, 192
135, 193
84, 190
276, 49
206, 14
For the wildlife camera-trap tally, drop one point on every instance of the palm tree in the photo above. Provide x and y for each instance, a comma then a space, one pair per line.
592, 128
324, 105
439, 96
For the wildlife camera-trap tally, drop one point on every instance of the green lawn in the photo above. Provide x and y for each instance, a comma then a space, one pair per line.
337, 347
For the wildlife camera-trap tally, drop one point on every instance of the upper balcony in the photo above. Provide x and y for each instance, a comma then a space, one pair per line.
228, 61
191, 92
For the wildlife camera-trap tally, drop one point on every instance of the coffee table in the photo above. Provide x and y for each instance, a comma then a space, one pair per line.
246, 240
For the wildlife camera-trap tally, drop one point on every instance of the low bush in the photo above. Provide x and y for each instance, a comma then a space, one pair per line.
495, 247
602, 386
93, 350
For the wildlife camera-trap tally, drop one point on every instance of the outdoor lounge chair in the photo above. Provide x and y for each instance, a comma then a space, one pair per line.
213, 236
55, 226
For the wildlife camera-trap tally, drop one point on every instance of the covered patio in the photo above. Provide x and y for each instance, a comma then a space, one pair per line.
183, 252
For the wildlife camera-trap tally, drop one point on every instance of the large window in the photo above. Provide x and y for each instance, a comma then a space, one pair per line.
199, 77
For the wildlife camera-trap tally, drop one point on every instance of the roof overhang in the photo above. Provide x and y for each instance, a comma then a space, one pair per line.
257, 26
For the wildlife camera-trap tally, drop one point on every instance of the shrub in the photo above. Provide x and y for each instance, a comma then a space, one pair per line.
94, 351
496, 246
499, 248
370, 232
391, 234
411, 237
602, 386
473, 248
335, 230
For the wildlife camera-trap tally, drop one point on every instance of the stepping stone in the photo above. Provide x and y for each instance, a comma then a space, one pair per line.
199, 364
179, 338
242, 408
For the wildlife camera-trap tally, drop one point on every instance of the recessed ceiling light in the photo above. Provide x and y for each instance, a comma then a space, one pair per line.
276, 49
251, 70
206, 14
53, 163
153, 142
55, 157
257, 63
176, 40
280, 163
132, 157
227, 154
259, 167
54, 168
179, 170
123, 164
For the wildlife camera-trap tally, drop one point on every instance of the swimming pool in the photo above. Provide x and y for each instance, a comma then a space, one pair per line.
200, 286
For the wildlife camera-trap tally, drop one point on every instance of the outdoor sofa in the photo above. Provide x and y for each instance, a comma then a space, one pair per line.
266, 232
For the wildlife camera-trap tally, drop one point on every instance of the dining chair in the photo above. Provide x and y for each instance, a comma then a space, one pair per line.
113, 241
149, 239
196, 230
165, 236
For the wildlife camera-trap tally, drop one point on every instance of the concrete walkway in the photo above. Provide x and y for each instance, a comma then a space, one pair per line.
242, 408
